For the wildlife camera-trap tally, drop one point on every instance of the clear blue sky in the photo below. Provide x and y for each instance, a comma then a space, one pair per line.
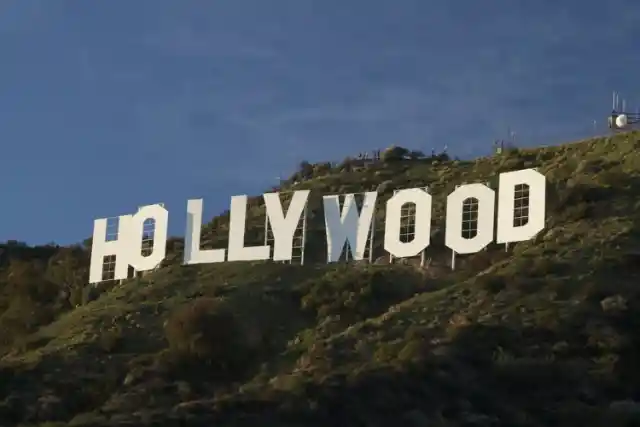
96, 97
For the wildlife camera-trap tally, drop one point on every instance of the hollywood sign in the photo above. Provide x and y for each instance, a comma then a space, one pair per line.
344, 225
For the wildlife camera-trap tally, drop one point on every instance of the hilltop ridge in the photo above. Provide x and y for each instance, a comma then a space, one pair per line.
543, 333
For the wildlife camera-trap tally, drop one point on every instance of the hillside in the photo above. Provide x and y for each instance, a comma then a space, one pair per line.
542, 334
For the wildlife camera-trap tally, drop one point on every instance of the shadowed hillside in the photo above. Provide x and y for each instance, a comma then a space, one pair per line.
542, 334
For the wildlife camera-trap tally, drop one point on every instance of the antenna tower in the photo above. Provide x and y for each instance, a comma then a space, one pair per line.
621, 119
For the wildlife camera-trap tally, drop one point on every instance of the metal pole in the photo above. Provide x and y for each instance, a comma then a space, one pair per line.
423, 253
304, 233
371, 236
391, 255
347, 243
266, 228
453, 253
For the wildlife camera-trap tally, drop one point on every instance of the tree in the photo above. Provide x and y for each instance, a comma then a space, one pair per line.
305, 170
206, 331
394, 153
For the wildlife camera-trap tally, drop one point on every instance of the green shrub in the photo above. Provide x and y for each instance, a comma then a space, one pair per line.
394, 153
203, 328
493, 284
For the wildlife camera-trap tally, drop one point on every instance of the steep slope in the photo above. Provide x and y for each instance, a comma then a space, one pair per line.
544, 334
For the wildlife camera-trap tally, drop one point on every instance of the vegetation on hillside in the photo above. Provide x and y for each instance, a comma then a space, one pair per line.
543, 333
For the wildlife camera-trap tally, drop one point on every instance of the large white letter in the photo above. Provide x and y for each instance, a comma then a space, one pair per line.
347, 225
507, 231
192, 252
284, 227
136, 230
486, 207
422, 236
237, 250
101, 248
